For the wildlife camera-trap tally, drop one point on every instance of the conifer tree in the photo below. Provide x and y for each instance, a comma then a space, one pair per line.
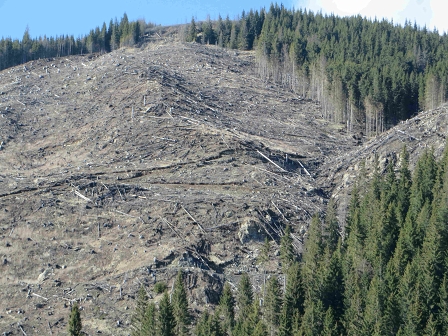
140, 311
287, 256
431, 327
192, 31
373, 311
180, 306
332, 283
203, 326
329, 327
227, 309
293, 302
313, 318
149, 320
260, 329
442, 307
208, 325
248, 325
166, 323
332, 227
403, 187
74, 323
353, 304
244, 298
272, 305
311, 258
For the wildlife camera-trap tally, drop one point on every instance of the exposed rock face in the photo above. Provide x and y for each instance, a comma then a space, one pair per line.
43, 276
250, 230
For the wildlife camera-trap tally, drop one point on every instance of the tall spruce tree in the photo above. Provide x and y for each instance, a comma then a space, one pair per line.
272, 305
227, 309
180, 306
166, 322
244, 298
139, 313
287, 255
293, 302
311, 259
208, 325
149, 324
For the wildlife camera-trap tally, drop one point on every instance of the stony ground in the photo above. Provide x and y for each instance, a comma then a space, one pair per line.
118, 170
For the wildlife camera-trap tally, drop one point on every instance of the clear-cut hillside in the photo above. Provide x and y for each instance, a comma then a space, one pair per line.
118, 170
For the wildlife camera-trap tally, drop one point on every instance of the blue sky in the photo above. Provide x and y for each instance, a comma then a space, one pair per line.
51, 17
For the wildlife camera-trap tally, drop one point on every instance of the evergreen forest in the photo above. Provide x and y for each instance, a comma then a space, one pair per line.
366, 74
385, 272
99, 40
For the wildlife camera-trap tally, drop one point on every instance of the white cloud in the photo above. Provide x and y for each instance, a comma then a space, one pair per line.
424, 12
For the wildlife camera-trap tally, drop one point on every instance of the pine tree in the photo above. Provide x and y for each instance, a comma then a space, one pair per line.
293, 302
166, 323
192, 31
403, 187
227, 309
244, 298
443, 307
149, 320
272, 305
139, 314
372, 323
311, 259
329, 327
74, 323
313, 318
208, 325
180, 306
332, 227
287, 256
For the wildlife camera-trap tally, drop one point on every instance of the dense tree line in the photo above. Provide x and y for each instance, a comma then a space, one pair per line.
100, 40
367, 74
385, 273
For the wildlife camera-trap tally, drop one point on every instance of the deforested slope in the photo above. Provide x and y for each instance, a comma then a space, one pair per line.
119, 169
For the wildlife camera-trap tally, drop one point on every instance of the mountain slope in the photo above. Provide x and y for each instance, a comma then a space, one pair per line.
118, 169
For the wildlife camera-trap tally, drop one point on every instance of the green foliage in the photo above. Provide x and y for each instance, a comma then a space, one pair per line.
244, 297
272, 305
226, 309
160, 287
166, 322
286, 249
139, 313
74, 322
293, 299
180, 306
388, 276
192, 31
99, 40
149, 319
208, 325
264, 253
